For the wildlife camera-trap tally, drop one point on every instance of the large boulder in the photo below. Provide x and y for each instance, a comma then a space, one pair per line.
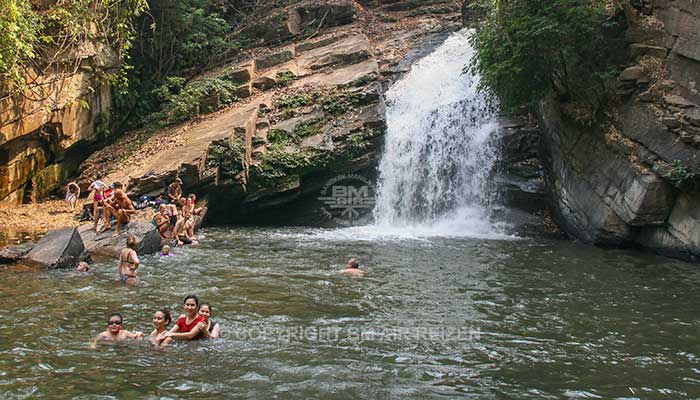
105, 244
60, 248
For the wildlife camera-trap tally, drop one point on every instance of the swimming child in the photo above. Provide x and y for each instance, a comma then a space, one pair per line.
115, 334
165, 251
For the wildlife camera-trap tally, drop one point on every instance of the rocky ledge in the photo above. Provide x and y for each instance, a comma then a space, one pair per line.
636, 182
309, 109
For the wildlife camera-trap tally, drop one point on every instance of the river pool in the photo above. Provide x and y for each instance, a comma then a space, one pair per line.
435, 318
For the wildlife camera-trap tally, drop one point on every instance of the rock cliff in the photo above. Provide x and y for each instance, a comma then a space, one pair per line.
635, 181
45, 129
310, 106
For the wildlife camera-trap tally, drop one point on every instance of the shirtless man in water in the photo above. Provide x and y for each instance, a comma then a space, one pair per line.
121, 208
353, 268
115, 334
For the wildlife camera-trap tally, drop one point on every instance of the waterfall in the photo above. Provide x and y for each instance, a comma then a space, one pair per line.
435, 168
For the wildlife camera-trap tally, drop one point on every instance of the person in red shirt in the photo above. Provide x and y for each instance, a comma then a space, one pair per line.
188, 326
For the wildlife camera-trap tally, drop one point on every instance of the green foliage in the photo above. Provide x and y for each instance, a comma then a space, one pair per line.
682, 177
279, 136
528, 47
279, 164
41, 34
228, 157
19, 31
338, 103
334, 103
308, 128
180, 103
285, 78
288, 102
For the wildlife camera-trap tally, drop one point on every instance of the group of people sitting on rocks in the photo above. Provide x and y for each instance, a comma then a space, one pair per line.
177, 225
194, 324
175, 218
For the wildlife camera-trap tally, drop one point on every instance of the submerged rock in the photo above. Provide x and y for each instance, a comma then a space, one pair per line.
60, 248
13, 254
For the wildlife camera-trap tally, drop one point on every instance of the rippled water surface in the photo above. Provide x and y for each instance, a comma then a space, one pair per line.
436, 318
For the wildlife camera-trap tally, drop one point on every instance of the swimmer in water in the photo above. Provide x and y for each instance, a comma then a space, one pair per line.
353, 269
211, 329
187, 326
115, 333
161, 320
165, 251
82, 267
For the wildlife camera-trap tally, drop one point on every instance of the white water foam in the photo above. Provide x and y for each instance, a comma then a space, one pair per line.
433, 177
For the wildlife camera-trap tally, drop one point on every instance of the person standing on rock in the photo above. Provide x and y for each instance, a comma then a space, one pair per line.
98, 188
128, 262
175, 192
121, 208
72, 195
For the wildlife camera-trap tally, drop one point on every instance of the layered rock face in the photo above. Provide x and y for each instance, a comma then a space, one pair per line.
637, 182
310, 109
43, 129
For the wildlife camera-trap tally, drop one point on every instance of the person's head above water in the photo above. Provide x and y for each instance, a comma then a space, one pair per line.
162, 318
191, 305
353, 263
165, 251
205, 310
114, 323
131, 241
82, 267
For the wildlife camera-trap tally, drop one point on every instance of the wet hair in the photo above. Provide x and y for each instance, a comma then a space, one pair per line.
353, 263
178, 180
194, 297
192, 196
205, 304
166, 314
121, 319
118, 185
131, 241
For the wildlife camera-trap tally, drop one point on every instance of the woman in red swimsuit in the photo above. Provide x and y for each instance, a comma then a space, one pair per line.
188, 326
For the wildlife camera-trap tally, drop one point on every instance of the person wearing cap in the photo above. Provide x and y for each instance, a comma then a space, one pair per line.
175, 192
353, 269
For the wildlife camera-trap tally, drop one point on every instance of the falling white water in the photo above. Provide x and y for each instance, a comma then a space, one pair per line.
437, 158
